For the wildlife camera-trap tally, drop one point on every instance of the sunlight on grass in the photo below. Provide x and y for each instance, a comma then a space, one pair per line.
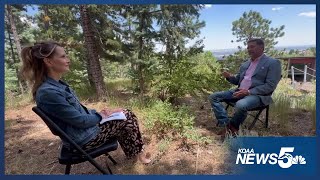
281, 109
15, 101
287, 99
119, 84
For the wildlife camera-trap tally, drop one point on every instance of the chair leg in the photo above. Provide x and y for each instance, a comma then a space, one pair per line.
267, 117
111, 159
109, 169
68, 169
101, 169
255, 120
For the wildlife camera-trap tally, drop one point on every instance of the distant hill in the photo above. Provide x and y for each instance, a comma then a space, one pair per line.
288, 48
219, 53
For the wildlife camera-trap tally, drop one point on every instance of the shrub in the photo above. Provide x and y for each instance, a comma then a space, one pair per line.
190, 75
162, 118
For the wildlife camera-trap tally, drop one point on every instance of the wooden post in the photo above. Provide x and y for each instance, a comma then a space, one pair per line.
292, 76
288, 67
305, 73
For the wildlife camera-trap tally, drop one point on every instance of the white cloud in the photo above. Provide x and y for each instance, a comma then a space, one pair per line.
208, 6
311, 14
277, 8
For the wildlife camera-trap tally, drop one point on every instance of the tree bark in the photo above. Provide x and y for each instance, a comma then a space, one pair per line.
140, 56
94, 67
22, 84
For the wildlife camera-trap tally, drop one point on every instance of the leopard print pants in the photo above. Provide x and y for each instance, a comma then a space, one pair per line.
125, 131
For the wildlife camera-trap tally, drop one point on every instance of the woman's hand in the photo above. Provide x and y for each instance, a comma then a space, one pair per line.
104, 114
107, 112
117, 110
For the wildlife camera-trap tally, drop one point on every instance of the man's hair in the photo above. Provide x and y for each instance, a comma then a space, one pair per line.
259, 41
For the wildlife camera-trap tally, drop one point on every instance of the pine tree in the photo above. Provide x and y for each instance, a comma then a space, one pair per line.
141, 40
178, 24
252, 25
94, 66
11, 21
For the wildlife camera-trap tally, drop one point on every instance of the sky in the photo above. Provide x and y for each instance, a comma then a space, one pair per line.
299, 21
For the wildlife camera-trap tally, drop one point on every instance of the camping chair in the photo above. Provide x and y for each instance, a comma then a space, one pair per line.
75, 155
256, 116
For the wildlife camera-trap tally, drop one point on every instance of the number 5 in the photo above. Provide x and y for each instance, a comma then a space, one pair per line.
284, 154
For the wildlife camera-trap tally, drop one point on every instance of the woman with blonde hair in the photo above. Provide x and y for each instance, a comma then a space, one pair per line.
43, 66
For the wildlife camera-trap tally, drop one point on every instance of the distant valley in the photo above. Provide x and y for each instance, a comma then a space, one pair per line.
219, 53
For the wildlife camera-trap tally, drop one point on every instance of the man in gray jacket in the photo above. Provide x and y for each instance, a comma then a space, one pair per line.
257, 79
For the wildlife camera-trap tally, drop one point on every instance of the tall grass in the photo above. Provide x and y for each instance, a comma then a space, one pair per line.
119, 84
287, 99
280, 109
307, 102
85, 91
14, 100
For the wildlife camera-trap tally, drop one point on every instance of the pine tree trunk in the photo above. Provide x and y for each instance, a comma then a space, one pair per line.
140, 56
22, 84
94, 68
133, 63
14, 61
90, 77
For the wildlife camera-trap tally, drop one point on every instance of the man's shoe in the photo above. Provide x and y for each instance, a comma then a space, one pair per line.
232, 130
229, 129
222, 132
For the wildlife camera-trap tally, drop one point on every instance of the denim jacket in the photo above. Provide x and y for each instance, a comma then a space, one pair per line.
61, 104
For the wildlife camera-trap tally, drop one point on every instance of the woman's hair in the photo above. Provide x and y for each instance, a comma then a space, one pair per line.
33, 68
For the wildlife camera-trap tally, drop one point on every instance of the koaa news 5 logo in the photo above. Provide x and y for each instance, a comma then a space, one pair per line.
284, 159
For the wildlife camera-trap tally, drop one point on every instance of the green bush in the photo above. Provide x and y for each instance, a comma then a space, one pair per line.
191, 75
162, 119
234, 61
11, 80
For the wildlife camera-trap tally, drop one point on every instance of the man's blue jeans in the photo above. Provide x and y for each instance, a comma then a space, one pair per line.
241, 107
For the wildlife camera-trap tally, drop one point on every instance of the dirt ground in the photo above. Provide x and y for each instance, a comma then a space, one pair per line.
30, 148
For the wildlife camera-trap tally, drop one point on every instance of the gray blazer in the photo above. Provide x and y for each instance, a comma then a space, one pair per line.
264, 79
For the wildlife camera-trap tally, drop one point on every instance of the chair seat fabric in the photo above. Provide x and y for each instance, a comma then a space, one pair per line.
254, 109
68, 156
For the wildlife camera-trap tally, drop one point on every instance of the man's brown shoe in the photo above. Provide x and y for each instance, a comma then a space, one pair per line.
228, 129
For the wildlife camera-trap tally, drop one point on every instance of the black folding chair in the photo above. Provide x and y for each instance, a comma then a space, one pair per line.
256, 116
75, 154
